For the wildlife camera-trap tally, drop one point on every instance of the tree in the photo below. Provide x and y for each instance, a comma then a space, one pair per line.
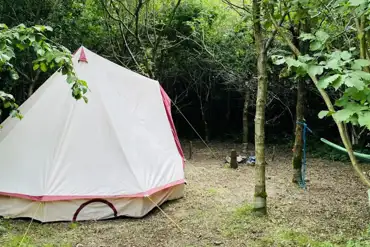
260, 179
336, 67
141, 30
299, 23
47, 56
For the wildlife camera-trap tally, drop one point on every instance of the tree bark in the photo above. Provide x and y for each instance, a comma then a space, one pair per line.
245, 120
361, 34
31, 89
298, 142
260, 179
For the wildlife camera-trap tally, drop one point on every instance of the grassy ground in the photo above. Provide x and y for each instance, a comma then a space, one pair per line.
216, 211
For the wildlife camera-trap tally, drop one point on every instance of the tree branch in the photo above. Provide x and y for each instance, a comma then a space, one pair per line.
269, 41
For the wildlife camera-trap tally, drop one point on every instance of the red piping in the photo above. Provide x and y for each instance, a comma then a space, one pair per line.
47, 198
167, 105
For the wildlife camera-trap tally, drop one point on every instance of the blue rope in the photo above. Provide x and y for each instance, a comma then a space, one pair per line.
303, 169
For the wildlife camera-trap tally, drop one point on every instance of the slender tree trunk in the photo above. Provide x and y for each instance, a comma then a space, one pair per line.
260, 179
245, 120
297, 150
300, 106
206, 130
31, 89
228, 108
362, 37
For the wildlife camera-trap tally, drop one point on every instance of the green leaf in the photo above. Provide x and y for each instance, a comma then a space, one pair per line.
7, 104
313, 70
21, 46
16, 35
357, 2
21, 26
4, 57
322, 36
39, 28
14, 75
278, 60
49, 28
32, 38
316, 45
362, 74
83, 83
291, 62
339, 82
43, 67
70, 79
3, 26
85, 99
36, 66
343, 115
364, 119
325, 82
333, 64
345, 55
354, 82
58, 59
306, 58
359, 63
40, 52
307, 36
323, 114
285, 72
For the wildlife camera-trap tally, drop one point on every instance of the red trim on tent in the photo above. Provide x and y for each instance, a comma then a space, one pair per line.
167, 105
82, 56
66, 198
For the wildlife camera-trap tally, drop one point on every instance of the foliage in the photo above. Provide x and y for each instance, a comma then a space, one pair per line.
47, 57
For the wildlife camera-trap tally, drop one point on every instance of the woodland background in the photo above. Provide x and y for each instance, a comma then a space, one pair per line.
203, 55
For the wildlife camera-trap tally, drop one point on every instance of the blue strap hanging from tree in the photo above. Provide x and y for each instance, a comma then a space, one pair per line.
303, 169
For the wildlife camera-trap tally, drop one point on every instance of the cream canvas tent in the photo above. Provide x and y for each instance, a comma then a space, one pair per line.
117, 155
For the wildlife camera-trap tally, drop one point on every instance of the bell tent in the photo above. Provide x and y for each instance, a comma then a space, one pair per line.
117, 155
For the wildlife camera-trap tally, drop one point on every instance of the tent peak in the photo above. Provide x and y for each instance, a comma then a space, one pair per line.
82, 57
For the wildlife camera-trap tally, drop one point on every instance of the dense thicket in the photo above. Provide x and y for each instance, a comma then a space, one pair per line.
201, 51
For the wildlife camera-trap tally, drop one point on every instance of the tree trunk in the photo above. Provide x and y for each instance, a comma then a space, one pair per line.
361, 34
228, 110
301, 90
245, 120
206, 131
31, 88
260, 179
298, 142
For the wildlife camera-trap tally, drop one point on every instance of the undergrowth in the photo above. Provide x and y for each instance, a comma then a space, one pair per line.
263, 232
11, 236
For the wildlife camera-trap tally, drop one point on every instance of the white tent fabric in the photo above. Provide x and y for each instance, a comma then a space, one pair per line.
119, 147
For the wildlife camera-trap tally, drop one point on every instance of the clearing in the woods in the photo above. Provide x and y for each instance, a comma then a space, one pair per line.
216, 211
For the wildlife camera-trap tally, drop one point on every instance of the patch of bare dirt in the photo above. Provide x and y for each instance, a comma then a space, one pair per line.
215, 210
